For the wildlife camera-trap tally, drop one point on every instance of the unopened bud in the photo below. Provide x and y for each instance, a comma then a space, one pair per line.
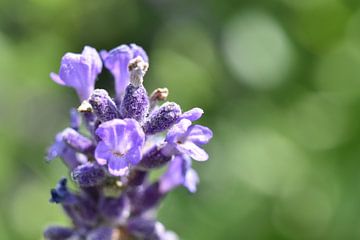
103, 106
88, 175
162, 118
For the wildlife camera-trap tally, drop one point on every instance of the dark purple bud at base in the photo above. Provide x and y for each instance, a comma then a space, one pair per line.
103, 106
154, 158
135, 103
162, 118
115, 208
142, 228
148, 199
61, 194
137, 177
58, 233
104, 233
88, 175
77, 141
148, 229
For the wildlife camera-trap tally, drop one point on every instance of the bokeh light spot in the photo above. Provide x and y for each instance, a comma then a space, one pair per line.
257, 50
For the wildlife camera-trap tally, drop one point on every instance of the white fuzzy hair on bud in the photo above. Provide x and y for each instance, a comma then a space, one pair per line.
137, 68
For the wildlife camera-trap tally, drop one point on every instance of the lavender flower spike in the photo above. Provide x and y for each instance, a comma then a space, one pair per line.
120, 145
114, 143
79, 71
186, 139
117, 61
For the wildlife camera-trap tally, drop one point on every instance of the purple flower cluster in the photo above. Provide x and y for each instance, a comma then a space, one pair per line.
112, 145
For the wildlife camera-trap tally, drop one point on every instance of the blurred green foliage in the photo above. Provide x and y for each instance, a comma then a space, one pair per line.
279, 81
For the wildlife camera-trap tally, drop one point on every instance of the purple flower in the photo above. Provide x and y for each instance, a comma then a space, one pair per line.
178, 173
79, 71
187, 139
120, 145
60, 149
117, 61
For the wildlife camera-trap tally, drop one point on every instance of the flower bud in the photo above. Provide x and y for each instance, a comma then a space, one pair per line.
103, 106
58, 233
61, 194
154, 158
162, 118
136, 102
88, 175
115, 209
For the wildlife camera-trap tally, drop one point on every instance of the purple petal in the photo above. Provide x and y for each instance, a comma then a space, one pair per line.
112, 132
191, 180
118, 166
194, 151
79, 71
139, 51
102, 153
116, 61
199, 134
174, 176
133, 156
193, 114
104, 54
62, 150
96, 63
77, 141
135, 132
178, 131
56, 78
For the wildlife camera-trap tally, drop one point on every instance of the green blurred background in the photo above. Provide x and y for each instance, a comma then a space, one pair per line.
279, 81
